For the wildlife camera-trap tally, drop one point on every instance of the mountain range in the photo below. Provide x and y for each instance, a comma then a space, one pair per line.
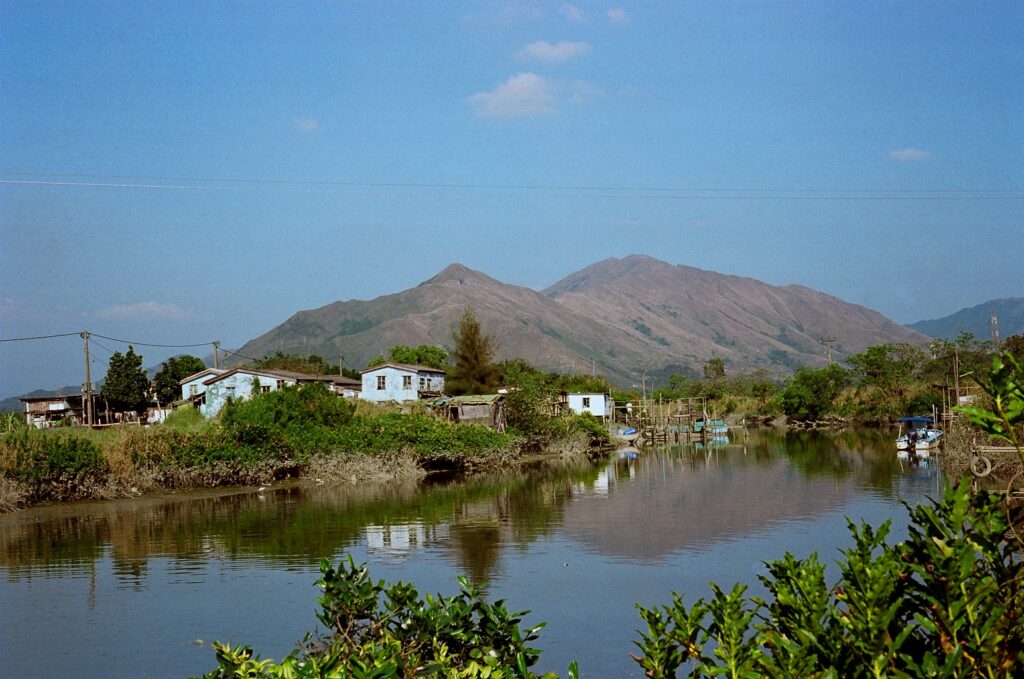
977, 320
619, 318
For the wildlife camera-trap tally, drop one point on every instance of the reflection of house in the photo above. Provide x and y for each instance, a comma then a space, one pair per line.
400, 539
485, 409
598, 405
47, 411
401, 382
242, 383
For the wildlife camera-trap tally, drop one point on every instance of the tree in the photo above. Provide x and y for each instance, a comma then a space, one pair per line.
173, 370
473, 372
714, 369
811, 392
424, 354
125, 387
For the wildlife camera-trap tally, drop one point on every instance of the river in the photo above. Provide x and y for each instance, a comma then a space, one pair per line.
140, 587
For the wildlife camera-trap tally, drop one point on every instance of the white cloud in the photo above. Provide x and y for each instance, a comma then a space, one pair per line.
908, 155
307, 125
524, 95
158, 310
573, 13
617, 15
545, 51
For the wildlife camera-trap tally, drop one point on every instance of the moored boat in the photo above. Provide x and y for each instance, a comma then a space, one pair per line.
629, 434
920, 437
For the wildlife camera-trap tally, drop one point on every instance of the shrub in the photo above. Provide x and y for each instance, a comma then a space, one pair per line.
32, 456
947, 601
380, 630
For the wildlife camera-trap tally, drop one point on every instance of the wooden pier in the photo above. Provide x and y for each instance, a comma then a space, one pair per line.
667, 421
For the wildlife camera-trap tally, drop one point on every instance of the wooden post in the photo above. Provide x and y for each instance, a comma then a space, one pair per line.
216, 359
87, 387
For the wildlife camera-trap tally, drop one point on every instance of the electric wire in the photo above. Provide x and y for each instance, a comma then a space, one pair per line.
40, 337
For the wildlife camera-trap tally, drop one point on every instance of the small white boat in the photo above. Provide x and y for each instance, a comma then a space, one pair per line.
629, 434
920, 436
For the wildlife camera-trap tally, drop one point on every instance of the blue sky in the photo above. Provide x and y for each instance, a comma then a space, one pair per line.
182, 172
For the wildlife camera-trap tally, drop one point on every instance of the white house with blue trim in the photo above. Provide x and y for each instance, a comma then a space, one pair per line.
598, 405
400, 382
242, 383
193, 387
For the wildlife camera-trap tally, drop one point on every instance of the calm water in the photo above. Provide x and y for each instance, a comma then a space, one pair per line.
138, 588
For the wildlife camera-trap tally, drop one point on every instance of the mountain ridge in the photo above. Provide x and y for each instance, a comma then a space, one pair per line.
618, 316
977, 320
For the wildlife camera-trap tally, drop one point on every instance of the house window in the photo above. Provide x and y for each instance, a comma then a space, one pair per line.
280, 384
423, 384
192, 389
406, 381
586, 401
382, 382
231, 391
264, 388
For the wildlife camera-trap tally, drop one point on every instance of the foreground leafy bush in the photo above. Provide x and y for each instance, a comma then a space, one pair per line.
946, 602
380, 630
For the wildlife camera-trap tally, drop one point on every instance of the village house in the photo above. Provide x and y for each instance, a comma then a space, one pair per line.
598, 405
43, 412
242, 383
192, 386
400, 382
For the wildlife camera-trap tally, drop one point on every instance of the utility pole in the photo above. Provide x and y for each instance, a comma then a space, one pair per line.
341, 364
828, 347
995, 330
216, 359
87, 387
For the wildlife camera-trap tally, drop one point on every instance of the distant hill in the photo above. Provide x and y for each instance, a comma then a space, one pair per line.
617, 318
978, 320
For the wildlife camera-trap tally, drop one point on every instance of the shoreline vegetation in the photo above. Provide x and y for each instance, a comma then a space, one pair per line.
295, 433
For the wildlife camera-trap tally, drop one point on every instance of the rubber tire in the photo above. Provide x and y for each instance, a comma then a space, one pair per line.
980, 466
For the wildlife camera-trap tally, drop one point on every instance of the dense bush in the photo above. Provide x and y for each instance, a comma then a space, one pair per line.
945, 602
380, 630
416, 432
35, 457
290, 409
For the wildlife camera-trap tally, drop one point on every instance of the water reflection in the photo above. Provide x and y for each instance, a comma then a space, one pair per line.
545, 539
642, 505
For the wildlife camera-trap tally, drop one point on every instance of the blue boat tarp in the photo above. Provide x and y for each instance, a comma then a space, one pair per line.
922, 420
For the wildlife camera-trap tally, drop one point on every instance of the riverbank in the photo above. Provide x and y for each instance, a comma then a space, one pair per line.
39, 467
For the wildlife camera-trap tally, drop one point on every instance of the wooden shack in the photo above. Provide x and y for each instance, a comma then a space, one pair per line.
484, 409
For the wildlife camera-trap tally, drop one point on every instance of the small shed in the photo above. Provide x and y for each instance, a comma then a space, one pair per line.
43, 412
484, 409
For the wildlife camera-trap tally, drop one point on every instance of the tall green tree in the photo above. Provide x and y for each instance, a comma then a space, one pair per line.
811, 393
125, 387
474, 371
173, 370
714, 369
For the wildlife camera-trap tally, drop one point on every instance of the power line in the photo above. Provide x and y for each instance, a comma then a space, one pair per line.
554, 191
457, 185
40, 337
235, 353
150, 344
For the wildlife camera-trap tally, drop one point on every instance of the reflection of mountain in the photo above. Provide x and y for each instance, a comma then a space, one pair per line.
663, 502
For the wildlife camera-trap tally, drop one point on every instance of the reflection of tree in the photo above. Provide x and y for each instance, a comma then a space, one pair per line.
478, 545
